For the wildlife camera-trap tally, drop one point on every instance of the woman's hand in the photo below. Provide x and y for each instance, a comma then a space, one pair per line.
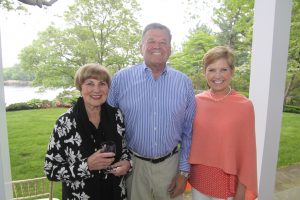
100, 160
120, 168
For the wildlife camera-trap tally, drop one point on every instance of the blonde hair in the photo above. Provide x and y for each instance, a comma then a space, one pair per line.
91, 70
217, 53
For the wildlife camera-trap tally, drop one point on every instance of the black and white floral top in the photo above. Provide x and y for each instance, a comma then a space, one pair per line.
73, 140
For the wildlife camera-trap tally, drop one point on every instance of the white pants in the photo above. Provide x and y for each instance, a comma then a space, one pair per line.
196, 195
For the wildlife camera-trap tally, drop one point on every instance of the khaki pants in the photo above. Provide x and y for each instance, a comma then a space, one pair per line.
149, 181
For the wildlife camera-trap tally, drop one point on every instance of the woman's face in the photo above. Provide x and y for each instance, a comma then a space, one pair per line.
94, 92
218, 76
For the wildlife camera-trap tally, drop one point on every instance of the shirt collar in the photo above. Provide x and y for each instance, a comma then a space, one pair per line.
165, 71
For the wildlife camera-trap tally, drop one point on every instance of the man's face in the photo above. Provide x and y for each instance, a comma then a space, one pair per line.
156, 48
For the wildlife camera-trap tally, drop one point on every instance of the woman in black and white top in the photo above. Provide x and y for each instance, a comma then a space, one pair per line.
75, 155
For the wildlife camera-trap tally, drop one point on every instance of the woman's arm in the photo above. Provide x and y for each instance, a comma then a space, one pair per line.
124, 165
64, 161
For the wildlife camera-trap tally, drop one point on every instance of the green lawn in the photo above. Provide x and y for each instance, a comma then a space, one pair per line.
29, 132
28, 135
289, 151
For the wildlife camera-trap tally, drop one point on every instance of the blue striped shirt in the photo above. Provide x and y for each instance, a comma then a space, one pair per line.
158, 113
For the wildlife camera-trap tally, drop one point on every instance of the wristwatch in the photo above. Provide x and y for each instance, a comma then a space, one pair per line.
185, 174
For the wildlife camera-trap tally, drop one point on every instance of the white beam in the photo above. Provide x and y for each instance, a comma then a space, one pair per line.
268, 71
5, 176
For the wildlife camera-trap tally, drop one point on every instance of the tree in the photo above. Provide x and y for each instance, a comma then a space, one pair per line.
293, 72
100, 31
235, 21
16, 73
189, 59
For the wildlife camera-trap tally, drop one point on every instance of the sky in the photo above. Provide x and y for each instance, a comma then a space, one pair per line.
19, 30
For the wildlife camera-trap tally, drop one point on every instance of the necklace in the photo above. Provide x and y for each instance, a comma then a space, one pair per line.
222, 98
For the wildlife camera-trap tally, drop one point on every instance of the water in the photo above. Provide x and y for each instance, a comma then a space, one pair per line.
15, 94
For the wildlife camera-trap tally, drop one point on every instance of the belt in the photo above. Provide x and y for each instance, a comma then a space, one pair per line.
156, 160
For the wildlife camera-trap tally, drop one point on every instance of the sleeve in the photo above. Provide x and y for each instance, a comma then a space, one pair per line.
187, 128
113, 94
121, 130
63, 160
248, 168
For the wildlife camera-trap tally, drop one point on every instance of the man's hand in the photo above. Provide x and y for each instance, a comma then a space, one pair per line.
121, 168
177, 185
240, 192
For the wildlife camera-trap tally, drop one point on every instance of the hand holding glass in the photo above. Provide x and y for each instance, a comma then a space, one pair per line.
108, 146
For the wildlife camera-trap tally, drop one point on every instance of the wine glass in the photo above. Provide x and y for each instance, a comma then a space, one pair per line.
108, 146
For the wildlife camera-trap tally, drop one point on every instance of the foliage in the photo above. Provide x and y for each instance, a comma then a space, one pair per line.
294, 47
12, 5
293, 72
64, 99
17, 73
291, 109
293, 89
99, 31
188, 60
245, 93
67, 97
192, 8
235, 20
38, 103
19, 106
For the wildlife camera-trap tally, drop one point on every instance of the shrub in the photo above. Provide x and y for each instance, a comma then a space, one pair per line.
35, 103
245, 93
19, 106
38, 103
291, 109
66, 98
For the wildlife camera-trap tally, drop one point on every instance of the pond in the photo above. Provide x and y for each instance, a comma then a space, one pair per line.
16, 94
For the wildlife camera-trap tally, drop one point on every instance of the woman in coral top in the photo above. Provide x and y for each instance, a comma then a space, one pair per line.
223, 151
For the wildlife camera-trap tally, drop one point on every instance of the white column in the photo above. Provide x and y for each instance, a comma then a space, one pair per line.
5, 176
268, 71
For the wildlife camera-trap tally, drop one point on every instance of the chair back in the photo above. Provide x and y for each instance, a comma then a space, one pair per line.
35, 188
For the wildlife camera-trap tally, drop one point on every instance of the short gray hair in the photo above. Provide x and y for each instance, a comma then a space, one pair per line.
156, 26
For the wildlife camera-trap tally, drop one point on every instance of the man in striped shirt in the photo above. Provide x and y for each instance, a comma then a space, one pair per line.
158, 104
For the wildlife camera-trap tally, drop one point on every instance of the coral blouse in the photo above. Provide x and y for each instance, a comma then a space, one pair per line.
224, 138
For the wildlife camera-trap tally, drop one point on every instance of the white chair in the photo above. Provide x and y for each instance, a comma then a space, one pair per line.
36, 188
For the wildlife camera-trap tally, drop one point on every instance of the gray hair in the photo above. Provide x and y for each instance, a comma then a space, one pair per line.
156, 26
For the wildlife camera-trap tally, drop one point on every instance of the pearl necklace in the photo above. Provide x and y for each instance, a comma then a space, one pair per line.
216, 100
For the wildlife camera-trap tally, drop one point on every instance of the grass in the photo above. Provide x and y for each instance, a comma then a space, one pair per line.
29, 132
289, 151
28, 135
